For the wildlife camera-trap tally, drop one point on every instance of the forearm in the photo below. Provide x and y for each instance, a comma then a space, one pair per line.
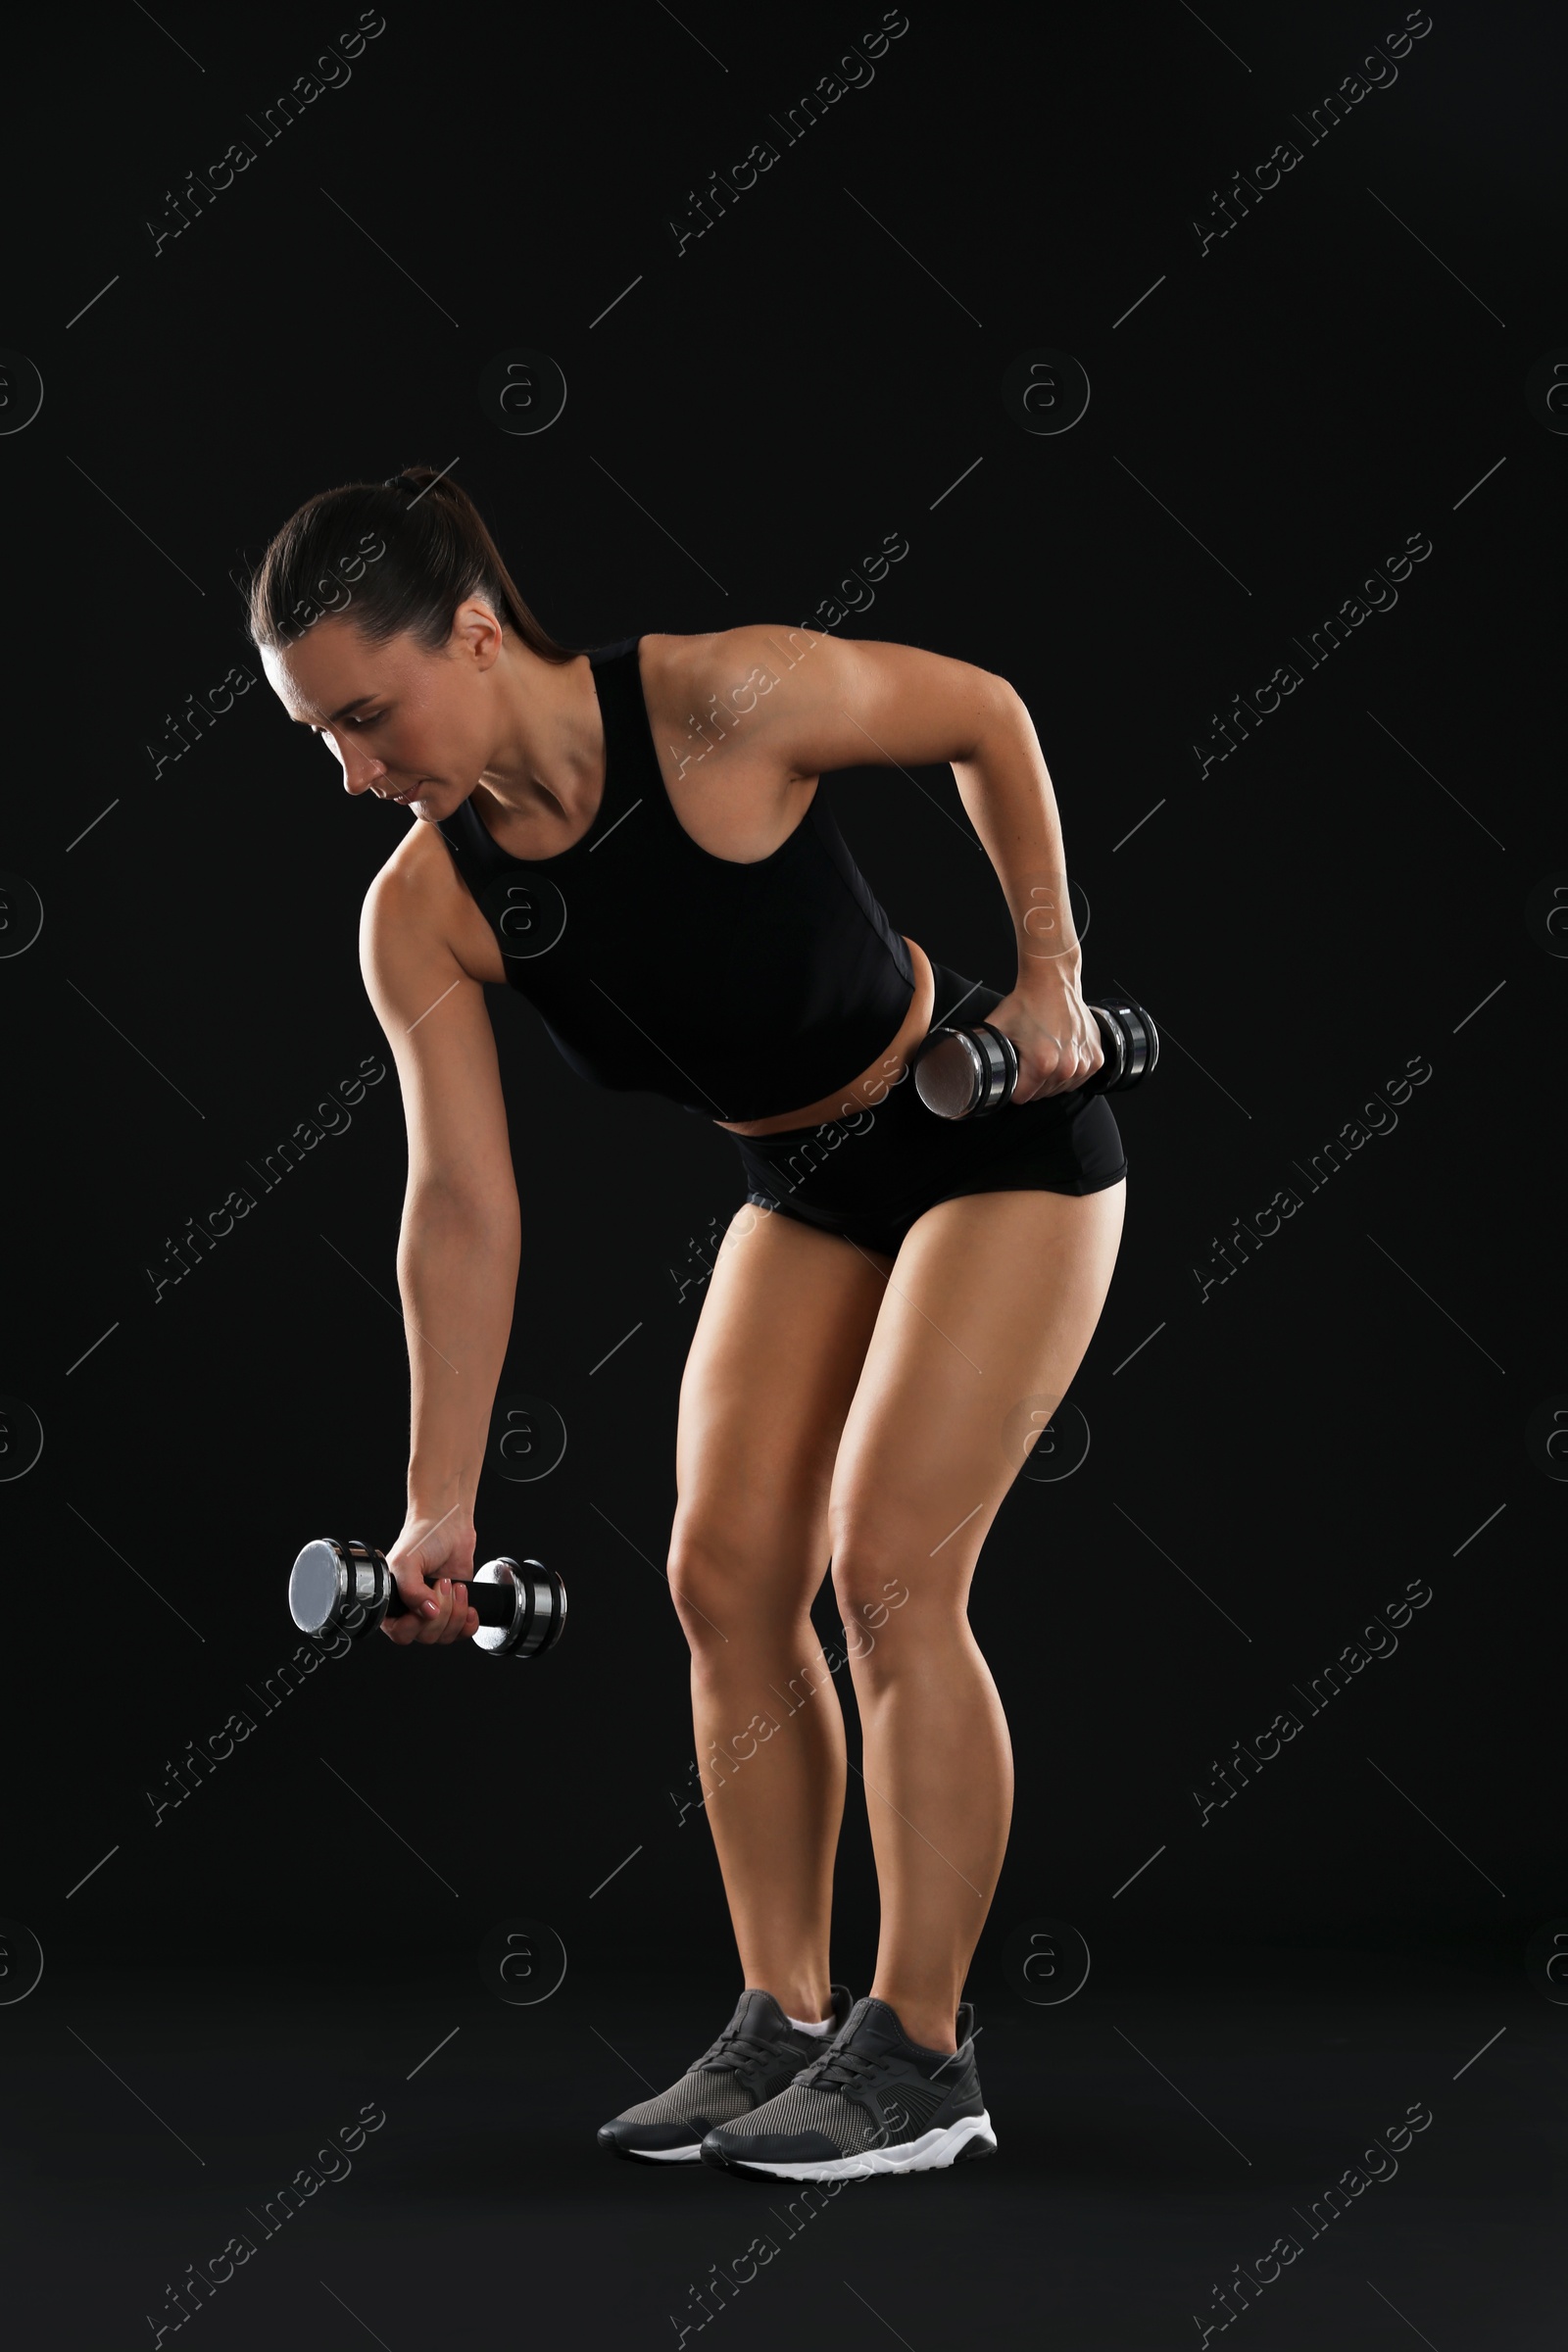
458, 1276
1006, 790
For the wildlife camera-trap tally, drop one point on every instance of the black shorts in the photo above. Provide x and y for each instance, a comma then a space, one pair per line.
870, 1175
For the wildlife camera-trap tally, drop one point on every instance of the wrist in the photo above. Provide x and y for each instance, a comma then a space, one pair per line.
436, 1496
1046, 975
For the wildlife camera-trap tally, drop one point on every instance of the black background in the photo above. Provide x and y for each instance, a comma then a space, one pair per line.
1344, 894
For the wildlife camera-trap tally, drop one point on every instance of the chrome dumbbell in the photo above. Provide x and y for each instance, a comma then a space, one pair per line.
348, 1588
962, 1073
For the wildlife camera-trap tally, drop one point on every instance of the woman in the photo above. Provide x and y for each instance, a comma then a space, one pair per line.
633, 836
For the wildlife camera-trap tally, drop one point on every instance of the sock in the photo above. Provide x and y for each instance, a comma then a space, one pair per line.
803, 2025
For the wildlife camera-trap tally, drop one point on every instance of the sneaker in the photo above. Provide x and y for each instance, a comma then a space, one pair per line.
874, 2101
758, 2053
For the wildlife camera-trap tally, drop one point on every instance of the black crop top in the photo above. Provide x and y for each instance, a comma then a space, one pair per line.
738, 990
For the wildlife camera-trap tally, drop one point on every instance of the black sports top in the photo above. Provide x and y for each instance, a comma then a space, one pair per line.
736, 990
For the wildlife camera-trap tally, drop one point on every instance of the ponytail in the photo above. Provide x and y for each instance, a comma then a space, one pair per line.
400, 555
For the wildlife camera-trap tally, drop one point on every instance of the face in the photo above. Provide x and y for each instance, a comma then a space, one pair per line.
403, 724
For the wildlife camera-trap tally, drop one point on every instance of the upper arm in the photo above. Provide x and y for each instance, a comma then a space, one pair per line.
438, 1027
824, 703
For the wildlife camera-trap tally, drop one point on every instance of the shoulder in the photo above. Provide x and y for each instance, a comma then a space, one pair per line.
727, 676
823, 701
417, 900
750, 659
418, 869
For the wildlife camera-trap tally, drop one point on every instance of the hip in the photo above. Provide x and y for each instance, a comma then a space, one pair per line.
896, 1153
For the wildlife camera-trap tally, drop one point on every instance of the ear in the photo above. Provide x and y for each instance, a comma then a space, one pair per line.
477, 632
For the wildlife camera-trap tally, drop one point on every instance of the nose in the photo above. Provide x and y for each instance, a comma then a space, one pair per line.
360, 774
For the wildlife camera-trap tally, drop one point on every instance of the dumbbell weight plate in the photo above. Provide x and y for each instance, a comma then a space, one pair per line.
963, 1073
1131, 1045
338, 1587
535, 1599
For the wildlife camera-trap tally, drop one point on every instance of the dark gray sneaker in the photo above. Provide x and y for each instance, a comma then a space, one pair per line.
758, 2053
874, 2101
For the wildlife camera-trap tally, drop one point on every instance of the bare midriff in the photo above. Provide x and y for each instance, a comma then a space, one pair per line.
872, 1084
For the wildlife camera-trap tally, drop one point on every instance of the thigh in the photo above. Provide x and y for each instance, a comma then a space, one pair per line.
772, 1367
989, 1310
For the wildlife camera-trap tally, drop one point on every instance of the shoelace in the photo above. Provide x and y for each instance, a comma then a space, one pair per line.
737, 2051
840, 2070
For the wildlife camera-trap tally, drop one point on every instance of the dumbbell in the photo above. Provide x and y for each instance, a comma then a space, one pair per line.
348, 1588
962, 1073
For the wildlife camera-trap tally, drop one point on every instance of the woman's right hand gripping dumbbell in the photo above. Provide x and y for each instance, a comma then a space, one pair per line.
439, 1546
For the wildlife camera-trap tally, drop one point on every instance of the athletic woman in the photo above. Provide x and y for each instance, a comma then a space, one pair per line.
634, 836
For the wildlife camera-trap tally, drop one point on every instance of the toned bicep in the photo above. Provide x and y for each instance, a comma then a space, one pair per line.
438, 1026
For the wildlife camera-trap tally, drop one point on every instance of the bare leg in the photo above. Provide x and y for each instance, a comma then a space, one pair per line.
987, 1314
769, 1379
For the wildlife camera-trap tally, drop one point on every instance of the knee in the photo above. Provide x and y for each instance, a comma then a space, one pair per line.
703, 1583
726, 1587
874, 1601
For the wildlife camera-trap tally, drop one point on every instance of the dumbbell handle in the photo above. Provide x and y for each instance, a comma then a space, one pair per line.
494, 1603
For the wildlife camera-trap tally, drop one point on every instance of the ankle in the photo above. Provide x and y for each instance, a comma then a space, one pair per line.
931, 2023
799, 2000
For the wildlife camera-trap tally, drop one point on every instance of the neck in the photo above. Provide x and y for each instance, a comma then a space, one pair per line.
550, 754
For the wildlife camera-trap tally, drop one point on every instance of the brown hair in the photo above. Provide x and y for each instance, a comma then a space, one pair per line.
400, 555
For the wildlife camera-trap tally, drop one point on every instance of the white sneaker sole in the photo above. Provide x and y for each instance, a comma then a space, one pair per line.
691, 2155
970, 2136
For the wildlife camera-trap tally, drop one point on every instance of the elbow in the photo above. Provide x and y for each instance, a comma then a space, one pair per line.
1004, 702
455, 1199
999, 716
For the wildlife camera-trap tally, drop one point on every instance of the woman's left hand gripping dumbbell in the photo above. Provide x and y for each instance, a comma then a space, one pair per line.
1056, 1035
